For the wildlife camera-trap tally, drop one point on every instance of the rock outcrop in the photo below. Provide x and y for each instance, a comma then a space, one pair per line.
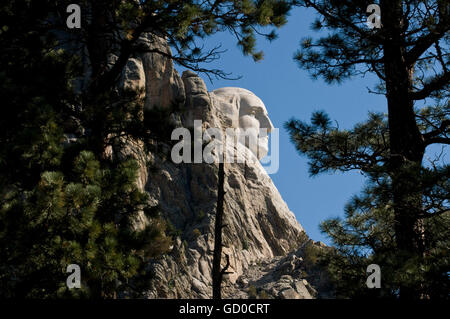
261, 233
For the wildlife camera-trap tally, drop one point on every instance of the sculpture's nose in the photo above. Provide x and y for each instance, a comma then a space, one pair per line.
266, 123
263, 118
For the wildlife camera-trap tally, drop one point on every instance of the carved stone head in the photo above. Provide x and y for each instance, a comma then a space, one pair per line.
242, 109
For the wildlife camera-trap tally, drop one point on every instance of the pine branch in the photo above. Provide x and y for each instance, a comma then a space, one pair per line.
438, 140
442, 129
438, 83
426, 41
349, 24
438, 213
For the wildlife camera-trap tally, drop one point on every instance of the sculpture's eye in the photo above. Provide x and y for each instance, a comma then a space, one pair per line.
255, 110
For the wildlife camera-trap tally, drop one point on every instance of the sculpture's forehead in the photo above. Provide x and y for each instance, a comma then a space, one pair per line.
236, 102
245, 95
229, 90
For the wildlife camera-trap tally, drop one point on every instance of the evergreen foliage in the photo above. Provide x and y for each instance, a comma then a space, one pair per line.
400, 221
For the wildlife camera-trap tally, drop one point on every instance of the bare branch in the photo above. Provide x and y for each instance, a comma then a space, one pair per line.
227, 265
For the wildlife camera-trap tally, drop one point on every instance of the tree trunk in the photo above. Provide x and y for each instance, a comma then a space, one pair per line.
406, 143
99, 45
217, 272
98, 38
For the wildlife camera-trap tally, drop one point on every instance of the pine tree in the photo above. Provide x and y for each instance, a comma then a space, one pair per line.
60, 204
400, 221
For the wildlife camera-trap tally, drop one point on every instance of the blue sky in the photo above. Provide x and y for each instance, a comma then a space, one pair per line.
287, 92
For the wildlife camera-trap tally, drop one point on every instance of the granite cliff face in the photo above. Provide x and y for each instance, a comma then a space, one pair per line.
262, 237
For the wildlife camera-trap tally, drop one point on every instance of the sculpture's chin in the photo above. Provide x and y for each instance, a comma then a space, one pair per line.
260, 149
263, 150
